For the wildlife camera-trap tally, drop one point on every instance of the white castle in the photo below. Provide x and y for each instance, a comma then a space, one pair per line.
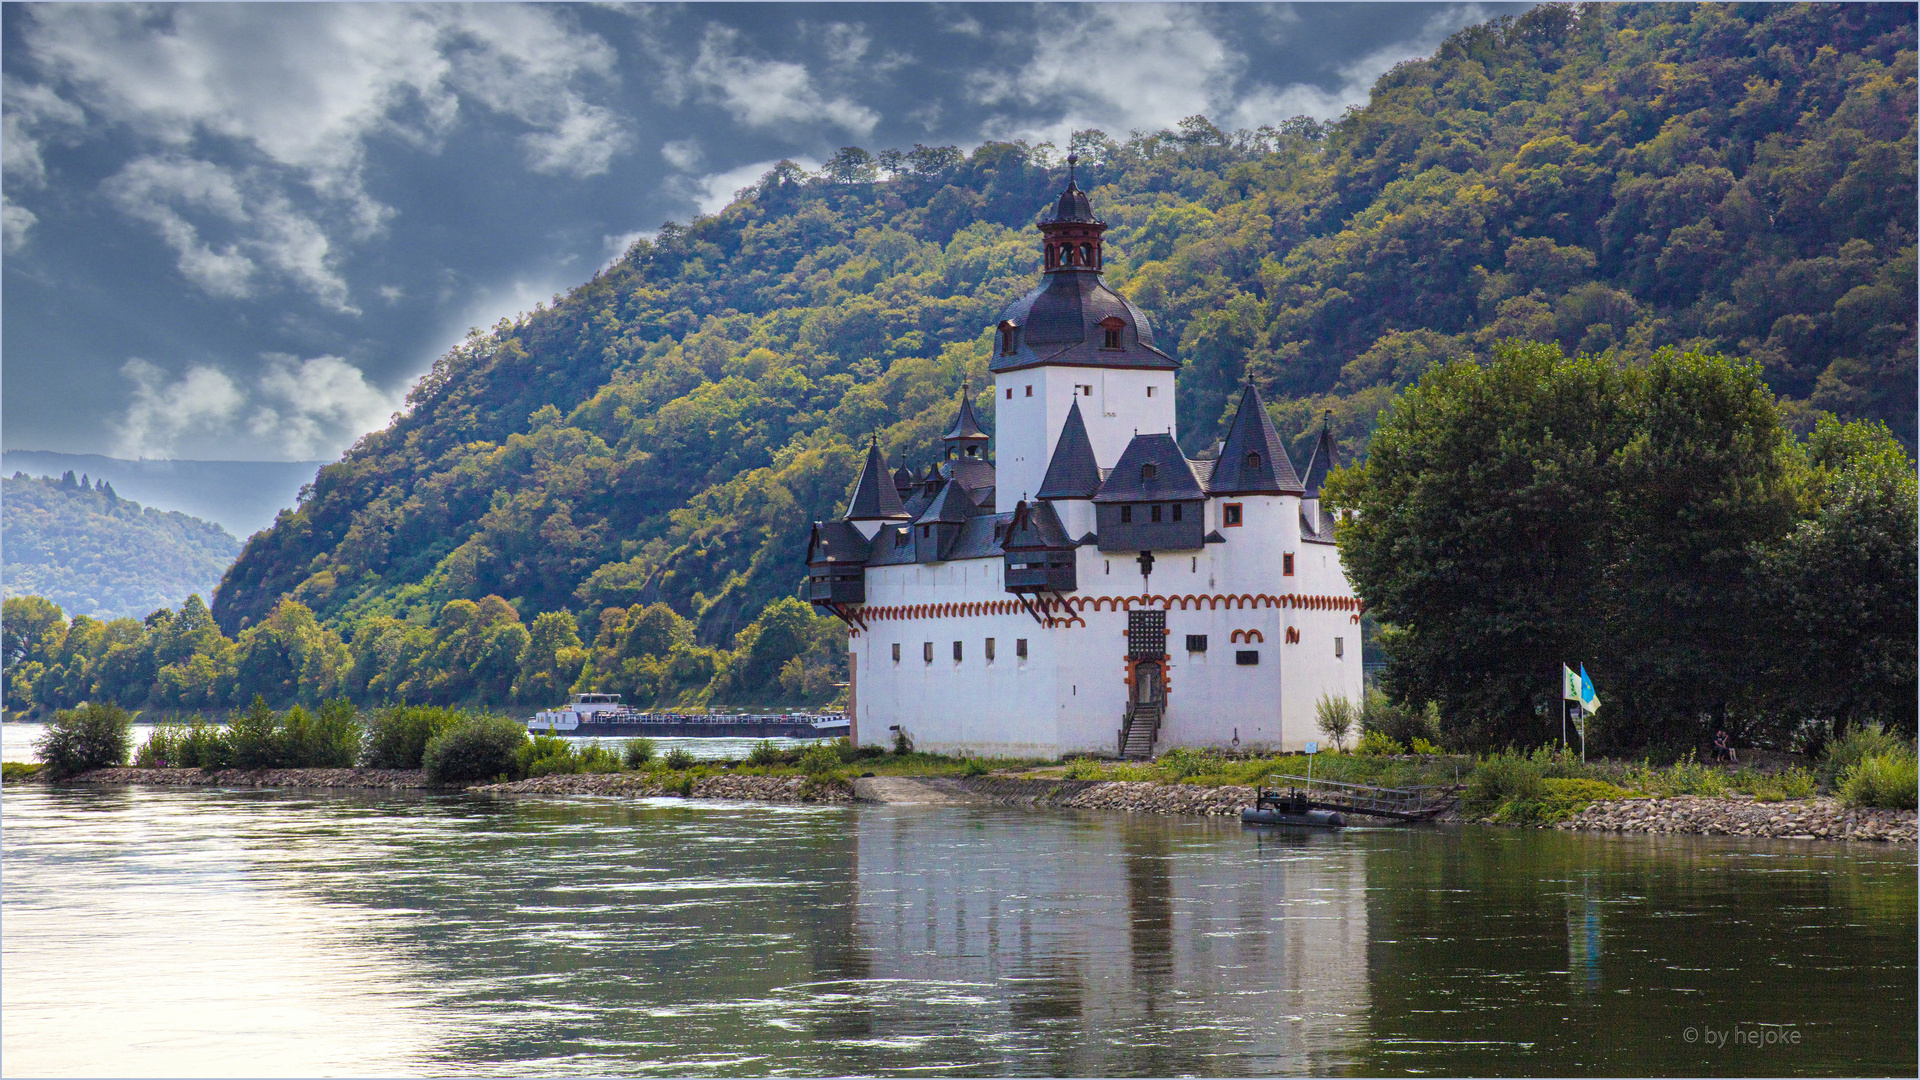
1094, 589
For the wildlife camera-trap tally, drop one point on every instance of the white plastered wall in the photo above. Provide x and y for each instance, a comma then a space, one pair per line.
1031, 406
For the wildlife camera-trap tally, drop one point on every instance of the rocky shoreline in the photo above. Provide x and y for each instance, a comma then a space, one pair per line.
1820, 818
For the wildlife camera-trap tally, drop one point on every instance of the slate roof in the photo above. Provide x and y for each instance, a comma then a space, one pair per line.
874, 497
891, 546
975, 474
1036, 526
1252, 460
1323, 460
951, 506
903, 480
976, 539
1173, 479
1308, 533
1073, 473
1060, 324
836, 542
966, 426
1074, 206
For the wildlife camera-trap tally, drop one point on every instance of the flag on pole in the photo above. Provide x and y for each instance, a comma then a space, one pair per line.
1589, 700
1570, 683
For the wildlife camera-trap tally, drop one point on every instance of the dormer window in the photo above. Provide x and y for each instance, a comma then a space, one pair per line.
1110, 328
1149, 471
1253, 460
1009, 338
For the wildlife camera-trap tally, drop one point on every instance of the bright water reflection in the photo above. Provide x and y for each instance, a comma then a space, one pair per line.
16, 743
202, 932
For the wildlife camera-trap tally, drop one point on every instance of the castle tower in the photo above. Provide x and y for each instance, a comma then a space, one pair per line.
1073, 341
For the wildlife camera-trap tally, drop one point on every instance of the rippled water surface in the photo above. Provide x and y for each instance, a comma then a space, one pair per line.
16, 743
151, 931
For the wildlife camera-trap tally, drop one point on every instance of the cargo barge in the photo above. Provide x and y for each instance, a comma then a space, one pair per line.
602, 715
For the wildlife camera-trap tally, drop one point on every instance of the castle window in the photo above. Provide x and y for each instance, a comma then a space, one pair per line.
1008, 332
1339, 647
1112, 339
998, 531
927, 530
1230, 515
1253, 460
1086, 390
1029, 389
1149, 391
1149, 471
1086, 254
1009, 393
1176, 511
926, 652
896, 652
956, 652
1195, 643
1286, 564
1020, 648
1247, 657
1126, 516
1053, 256
989, 650
1154, 511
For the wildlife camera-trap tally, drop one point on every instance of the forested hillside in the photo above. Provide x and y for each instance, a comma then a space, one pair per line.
77, 543
1726, 178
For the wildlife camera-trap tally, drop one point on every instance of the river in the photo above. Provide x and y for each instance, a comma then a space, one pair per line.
167, 931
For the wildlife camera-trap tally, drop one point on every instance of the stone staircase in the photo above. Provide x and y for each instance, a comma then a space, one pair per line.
1139, 730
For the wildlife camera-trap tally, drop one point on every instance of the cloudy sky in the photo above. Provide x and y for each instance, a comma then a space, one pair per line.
242, 231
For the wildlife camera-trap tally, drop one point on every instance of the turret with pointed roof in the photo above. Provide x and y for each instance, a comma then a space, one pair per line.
1072, 473
874, 497
965, 435
1323, 460
1253, 461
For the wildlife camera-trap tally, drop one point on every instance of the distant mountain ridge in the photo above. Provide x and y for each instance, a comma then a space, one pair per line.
94, 553
242, 497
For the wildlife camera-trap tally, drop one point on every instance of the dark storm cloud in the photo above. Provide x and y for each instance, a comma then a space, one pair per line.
242, 230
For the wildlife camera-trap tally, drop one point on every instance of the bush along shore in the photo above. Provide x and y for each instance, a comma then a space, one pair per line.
1862, 787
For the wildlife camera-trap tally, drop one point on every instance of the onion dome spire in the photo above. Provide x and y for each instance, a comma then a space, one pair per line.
1073, 232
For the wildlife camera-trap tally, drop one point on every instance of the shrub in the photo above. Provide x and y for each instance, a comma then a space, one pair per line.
819, 760
11, 771
1083, 769
1773, 787
1499, 778
1377, 744
1890, 781
1401, 723
1558, 800
397, 737
681, 758
1422, 746
637, 753
595, 758
1184, 763
848, 752
902, 742
1683, 777
89, 737
976, 767
251, 734
328, 739
482, 748
1336, 716
1859, 744
764, 753
545, 755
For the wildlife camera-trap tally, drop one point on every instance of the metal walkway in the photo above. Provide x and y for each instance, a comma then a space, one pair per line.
1404, 804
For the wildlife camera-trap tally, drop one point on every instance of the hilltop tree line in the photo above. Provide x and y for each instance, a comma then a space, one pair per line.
471, 653
74, 540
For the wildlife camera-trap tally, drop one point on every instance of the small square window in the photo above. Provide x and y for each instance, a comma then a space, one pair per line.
1230, 515
1020, 648
1339, 647
1029, 389
1176, 511
1126, 515
896, 652
1150, 391
1195, 643
1286, 564
989, 650
926, 652
1112, 339
1154, 511
1247, 657
1009, 393
1086, 389
956, 652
